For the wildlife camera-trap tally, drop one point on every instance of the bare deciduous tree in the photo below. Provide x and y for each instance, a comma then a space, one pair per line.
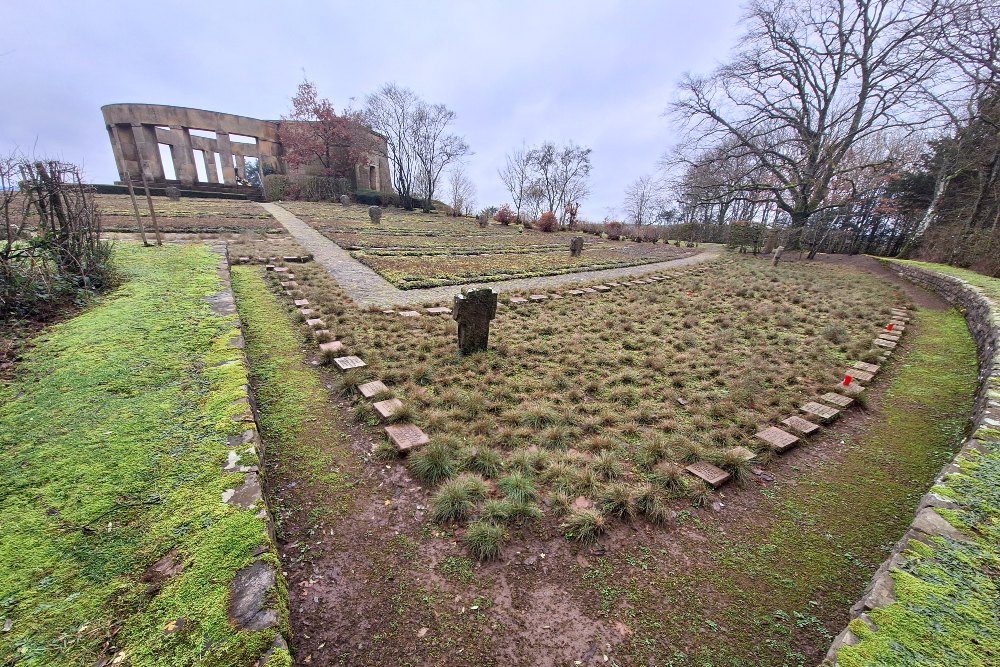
391, 111
516, 176
642, 201
561, 173
435, 149
810, 80
462, 191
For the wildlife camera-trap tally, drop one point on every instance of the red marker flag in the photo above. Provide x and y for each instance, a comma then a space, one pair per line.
889, 327
847, 380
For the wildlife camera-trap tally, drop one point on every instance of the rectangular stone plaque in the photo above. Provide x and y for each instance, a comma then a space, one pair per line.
301, 302
306, 312
589, 290
369, 389
409, 313
881, 342
824, 412
858, 374
289, 284
555, 296
837, 399
575, 292
852, 389
709, 473
602, 288
615, 284
518, 299
777, 439
269, 267
281, 269
871, 368
388, 407
538, 297
439, 310
346, 363
316, 323
406, 437
803, 426
889, 335
331, 346
897, 325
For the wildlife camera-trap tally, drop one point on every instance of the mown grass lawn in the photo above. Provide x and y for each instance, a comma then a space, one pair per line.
113, 436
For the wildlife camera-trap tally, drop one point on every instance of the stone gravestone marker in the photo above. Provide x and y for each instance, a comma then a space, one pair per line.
174, 194
576, 246
484, 222
375, 214
777, 254
345, 200
473, 311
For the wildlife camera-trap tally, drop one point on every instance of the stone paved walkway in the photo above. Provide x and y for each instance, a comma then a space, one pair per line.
368, 288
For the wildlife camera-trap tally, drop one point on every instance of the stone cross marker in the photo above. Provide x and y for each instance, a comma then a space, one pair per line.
576, 246
473, 311
484, 221
173, 193
345, 200
777, 254
375, 214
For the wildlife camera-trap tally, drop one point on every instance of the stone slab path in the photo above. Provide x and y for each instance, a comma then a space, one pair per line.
368, 288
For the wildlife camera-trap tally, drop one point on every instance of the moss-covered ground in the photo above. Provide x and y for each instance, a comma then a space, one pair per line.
113, 436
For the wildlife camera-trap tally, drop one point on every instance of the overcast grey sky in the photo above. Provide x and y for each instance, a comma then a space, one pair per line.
598, 73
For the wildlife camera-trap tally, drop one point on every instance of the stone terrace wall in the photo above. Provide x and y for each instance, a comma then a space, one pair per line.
983, 317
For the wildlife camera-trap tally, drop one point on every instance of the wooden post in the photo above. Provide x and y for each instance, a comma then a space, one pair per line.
135, 207
131, 192
152, 211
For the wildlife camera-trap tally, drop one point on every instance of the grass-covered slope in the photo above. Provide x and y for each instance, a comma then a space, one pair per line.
113, 436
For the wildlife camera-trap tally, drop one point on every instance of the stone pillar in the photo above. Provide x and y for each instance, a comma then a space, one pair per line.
241, 166
149, 152
211, 173
128, 150
117, 150
576, 246
474, 308
226, 153
184, 156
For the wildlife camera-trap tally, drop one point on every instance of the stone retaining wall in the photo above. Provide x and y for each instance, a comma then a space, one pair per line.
257, 599
983, 317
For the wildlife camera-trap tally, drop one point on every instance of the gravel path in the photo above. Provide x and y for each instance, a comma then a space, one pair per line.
368, 288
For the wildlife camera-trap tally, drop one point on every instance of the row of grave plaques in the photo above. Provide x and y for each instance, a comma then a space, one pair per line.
821, 411
405, 437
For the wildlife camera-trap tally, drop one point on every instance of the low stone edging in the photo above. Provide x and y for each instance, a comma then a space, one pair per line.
257, 601
983, 317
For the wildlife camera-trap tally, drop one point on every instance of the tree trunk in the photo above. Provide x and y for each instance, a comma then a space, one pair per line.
799, 221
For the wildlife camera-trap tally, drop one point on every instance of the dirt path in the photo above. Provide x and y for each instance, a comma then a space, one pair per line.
368, 288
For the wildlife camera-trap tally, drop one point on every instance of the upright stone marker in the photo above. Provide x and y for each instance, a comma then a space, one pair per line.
173, 193
777, 254
345, 201
473, 311
375, 214
576, 246
483, 221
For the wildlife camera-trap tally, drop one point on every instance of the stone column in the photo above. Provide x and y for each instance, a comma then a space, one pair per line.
117, 150
149, 151
474, 308
241, 166
226, 153
184, 157
210, 171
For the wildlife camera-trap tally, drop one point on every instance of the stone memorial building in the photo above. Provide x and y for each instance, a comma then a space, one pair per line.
221, 142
